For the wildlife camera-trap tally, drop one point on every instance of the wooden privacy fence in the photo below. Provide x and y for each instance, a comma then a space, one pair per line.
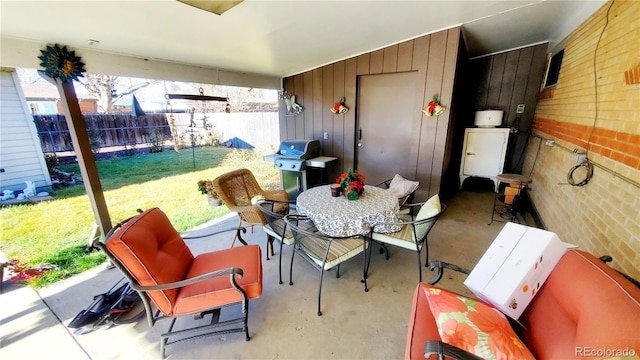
260, 129
104, 130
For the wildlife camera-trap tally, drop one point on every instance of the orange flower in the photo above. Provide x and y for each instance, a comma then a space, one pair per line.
463, 335
500, 333
446, 302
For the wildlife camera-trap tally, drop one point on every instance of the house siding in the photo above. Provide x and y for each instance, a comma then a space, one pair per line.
601, 217
433, 56
21, 156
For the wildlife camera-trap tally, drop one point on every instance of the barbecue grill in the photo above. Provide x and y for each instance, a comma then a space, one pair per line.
300, 164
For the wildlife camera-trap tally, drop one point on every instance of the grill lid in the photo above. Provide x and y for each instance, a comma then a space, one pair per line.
299, 148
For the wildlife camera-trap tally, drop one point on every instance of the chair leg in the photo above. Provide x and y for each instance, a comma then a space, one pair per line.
419, 265
365, 266
320, 289
269, 245
384, 250
271, 241
245, 310
171, 337
280, 264
426, 252
236, 235
338, 271
369, 257
164, 338
293, 252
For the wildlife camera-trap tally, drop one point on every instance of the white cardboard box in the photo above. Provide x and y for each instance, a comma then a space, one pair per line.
514, 267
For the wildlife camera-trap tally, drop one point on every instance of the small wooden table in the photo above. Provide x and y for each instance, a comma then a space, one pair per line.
514, 180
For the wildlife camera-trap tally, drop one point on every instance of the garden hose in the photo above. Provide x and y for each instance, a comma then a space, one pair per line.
589, 168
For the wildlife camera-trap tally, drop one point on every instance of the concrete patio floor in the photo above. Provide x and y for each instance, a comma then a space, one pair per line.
282, 323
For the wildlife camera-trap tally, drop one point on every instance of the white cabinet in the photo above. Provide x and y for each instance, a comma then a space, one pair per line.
483, 153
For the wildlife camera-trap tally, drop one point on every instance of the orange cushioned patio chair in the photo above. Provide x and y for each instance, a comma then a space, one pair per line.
161, 267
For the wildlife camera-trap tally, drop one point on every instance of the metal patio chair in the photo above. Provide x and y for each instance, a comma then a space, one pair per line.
322, 251
160, 266
413, 234
404, 189
276, 228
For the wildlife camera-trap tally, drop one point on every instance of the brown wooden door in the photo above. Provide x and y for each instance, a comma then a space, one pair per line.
384, 134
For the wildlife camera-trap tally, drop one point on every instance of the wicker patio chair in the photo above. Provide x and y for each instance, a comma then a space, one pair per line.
239, 191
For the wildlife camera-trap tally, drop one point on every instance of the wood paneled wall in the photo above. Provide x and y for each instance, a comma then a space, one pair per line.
502, 82
434, 57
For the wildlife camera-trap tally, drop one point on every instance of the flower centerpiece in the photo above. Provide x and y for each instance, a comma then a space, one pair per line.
352, 184
206, 188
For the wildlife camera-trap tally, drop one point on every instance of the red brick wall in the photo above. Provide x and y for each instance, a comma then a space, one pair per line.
594, 107
617, 145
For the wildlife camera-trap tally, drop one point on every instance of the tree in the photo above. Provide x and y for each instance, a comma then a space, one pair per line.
109, 89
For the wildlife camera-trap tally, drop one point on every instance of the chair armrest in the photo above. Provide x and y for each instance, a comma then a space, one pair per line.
279, 195
401, 223
178, 284
276, 208
441, 265
441, 349
414, 205
273, 202
386, 183
249, 213
238, 230
412, 222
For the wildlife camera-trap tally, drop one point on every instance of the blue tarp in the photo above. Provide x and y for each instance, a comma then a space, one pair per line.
237, 143
136, 109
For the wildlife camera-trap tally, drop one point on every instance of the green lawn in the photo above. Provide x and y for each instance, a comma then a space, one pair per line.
56, 231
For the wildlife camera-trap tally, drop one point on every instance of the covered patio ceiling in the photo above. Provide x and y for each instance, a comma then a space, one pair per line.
256, 43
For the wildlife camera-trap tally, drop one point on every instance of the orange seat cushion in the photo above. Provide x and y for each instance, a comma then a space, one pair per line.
584, 305
584, 309
422, 324
154, 253
218, 291
475, 326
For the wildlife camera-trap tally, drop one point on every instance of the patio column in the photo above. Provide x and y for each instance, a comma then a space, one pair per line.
82, 147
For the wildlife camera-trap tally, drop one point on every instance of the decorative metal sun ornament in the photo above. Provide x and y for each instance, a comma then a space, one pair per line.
60, 63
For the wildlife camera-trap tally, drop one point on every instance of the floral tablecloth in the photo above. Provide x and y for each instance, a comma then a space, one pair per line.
337, 216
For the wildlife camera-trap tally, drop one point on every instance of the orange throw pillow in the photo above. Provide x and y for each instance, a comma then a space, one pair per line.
474, 326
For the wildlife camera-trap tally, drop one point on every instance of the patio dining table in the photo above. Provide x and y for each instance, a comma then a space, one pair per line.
338, 216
